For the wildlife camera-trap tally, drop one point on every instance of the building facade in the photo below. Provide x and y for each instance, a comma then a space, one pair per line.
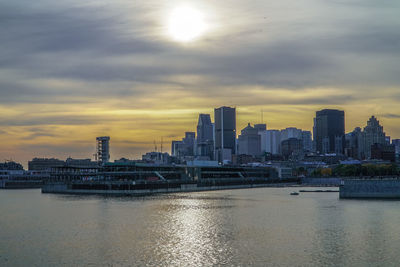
373, 134
205, 138
249, 142
225, 133
329, 131
103, 149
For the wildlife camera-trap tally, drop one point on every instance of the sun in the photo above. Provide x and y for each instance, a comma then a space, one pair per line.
186, 24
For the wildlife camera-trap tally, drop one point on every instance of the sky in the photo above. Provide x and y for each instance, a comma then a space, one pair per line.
72, 70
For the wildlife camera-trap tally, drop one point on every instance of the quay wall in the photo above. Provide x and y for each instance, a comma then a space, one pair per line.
370, 188
20, 184
63, 189
320, 181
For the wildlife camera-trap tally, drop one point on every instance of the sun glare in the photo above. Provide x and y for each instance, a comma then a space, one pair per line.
186, 24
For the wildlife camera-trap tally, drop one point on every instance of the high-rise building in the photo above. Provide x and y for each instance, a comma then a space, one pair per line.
189, 141
225, 133
304, 136
103, 149
260, 127
184, 148
204, 128
270, 141
205, 138
292, 148
307, 140
396, 143
249, 142
329, 131
373, 134
291, 132
383, 152
355, 144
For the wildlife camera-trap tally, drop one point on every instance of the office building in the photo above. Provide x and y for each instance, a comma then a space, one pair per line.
189, 141
396, 143
249, 142
270, 141
225, 133
304, 136
383, 152
307, 141
373, 134
329, 131
355, 144
184, 148
205, 138
291, 132
260, 127
292, 148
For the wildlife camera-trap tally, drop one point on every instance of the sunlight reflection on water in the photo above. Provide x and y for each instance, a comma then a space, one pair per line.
258, 227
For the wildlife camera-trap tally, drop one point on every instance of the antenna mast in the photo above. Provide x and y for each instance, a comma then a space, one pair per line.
262, 116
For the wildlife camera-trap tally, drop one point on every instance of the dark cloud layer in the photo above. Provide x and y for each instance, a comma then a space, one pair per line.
65, 64
93, 43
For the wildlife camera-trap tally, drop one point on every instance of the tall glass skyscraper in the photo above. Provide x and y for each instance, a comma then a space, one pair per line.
225, 133
329, 131
205, 137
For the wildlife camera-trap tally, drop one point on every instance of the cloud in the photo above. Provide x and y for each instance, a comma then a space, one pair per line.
391, 116
74, 70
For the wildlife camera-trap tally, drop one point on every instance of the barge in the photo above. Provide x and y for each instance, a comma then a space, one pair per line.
371, 188
142, 179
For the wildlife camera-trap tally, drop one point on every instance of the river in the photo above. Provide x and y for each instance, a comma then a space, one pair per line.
246, 227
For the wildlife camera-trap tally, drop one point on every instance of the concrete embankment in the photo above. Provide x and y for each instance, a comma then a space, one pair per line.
20, 184
63, 189
387, 188
311, 181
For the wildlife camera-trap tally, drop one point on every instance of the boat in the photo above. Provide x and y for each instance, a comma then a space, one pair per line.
294, 193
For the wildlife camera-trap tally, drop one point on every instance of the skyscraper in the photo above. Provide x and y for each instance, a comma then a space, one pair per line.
373, 134
270, 141
225, 133
103, 149
184, 148
204, 128
249, 142
329, 131
205, 137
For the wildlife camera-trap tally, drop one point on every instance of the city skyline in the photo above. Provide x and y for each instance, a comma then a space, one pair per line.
199, 132
125, 72
166, 143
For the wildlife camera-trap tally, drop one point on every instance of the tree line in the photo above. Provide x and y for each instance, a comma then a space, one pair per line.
370, 170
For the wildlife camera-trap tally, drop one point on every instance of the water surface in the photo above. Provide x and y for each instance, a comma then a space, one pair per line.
260, 227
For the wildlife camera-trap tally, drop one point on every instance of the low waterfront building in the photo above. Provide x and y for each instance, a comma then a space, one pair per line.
157, 158
11, 165
42, 164
80, 162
